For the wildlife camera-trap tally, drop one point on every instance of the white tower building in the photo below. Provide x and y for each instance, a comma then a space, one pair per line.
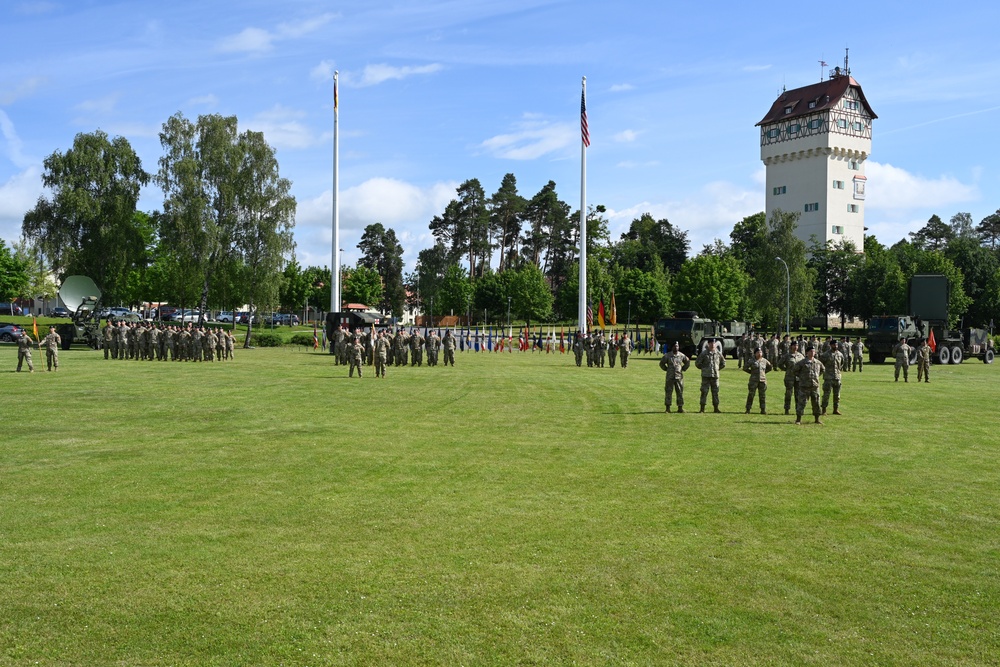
814, 143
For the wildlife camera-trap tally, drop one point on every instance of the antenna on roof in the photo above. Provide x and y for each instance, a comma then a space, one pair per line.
822, 65
847, 53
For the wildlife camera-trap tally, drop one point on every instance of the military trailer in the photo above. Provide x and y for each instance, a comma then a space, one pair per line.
691, 332
928, 299
354, 320
81, 296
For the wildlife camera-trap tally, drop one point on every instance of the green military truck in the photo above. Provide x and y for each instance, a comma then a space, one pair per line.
691, 332
928, 299
81, 297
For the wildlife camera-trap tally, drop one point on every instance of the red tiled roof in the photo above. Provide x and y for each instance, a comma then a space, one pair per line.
825, 94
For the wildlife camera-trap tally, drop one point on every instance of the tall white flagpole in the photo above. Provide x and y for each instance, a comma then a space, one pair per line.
335, 301
584, 142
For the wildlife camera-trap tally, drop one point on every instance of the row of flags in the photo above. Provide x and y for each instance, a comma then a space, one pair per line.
603, 317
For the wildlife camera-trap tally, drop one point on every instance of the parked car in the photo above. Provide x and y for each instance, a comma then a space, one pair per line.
165, 313
244, 318
277, 319
10, 332
59, 311
112, 312
225, 316
187, 316
10, 309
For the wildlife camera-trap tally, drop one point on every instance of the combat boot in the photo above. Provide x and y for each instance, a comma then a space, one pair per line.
702, 409
818, 420
837, 411
680, 410
716, 410
668, 409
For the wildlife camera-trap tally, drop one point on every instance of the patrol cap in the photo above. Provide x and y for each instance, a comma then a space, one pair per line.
810, 346
834, 342
794, 342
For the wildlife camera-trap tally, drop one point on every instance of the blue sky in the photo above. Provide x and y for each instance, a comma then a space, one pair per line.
438, 91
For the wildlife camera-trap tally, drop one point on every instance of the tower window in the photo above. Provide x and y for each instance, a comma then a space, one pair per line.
788, 110
852, 208
842, 123
837, 229
773, 133
812, 207
812, 104
853, 165
857, 127
815, 124
853, 105
794, 128
780, 190
838, 185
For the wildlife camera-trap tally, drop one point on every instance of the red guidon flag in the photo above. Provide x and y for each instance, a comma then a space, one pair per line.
932, 342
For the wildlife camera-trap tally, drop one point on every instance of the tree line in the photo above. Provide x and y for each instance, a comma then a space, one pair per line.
224, 238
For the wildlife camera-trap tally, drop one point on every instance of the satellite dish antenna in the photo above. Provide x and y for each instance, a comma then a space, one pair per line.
77, 290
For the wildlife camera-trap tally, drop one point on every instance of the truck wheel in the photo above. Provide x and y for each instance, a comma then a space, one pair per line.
913, 356
67, 340
944, 355
988, 357
957, 355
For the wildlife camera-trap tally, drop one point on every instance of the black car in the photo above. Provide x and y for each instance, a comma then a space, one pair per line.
59, 311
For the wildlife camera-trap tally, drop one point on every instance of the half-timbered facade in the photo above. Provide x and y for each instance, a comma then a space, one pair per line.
814, 142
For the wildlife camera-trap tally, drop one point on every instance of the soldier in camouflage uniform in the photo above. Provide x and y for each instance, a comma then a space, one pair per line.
600, 350
208, 342
787, 364
833, 366
448, 343
357, 354
859, 356
337, 345
578, 348
108, 337
845, 349
381, 354
924, 361
772, 350
674, 363
416, 349
902, 354
625, 349
710, 361
24, 344
757, 368
807, 374
51, 344
613, 343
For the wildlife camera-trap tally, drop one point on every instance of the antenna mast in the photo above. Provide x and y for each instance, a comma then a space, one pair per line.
822, 65
847, 54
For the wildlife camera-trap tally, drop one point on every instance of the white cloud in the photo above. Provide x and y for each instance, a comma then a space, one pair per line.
894, 189
22, 89
404, 207
17, 196
533, 138
250, 40
209, 100
707, 214
282, 128
104, 104
626, 136
12, 143
323, 72
621, 87
258, 40
376, 74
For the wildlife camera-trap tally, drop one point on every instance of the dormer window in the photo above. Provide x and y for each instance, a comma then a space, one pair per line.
812, 105
788, 110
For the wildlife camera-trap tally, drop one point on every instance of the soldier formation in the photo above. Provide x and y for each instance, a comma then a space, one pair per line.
597, 349
384, 348
149, 341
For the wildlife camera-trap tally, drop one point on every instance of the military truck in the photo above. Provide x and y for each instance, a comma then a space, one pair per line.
81, 297
691, 332
928, 299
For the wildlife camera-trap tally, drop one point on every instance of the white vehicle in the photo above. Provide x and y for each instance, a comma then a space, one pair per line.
225, 316
187, 316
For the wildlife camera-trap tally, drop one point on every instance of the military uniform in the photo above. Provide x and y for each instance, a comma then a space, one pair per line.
710, 362
107, 336
924, 362
612, 351
858, 356
357, 353
448, 343
416, 349
674, 363
625, 349
757, 368
578, 349
24, 344
833, 366
807, 374
902, 354
787, 364
381, 354
51, 344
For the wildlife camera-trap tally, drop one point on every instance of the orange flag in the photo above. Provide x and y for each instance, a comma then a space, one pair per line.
932, 342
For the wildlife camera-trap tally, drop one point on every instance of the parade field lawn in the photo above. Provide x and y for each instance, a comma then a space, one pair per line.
513, 510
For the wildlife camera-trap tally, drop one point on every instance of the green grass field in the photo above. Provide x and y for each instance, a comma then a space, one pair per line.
513, 510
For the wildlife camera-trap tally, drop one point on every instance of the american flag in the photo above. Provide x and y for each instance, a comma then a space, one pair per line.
590, 314
583, 119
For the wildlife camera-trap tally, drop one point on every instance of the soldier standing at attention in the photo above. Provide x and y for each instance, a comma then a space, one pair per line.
772, 350
416, 349
675, 363
612, 350
924, 361
858, 362
902, 353
807, 374
710, 361
51, 343
381, 354
757, 368
787, 364
108, 337
448, 343
625, 349
578, 348
833, 366
24, 344
357, 352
